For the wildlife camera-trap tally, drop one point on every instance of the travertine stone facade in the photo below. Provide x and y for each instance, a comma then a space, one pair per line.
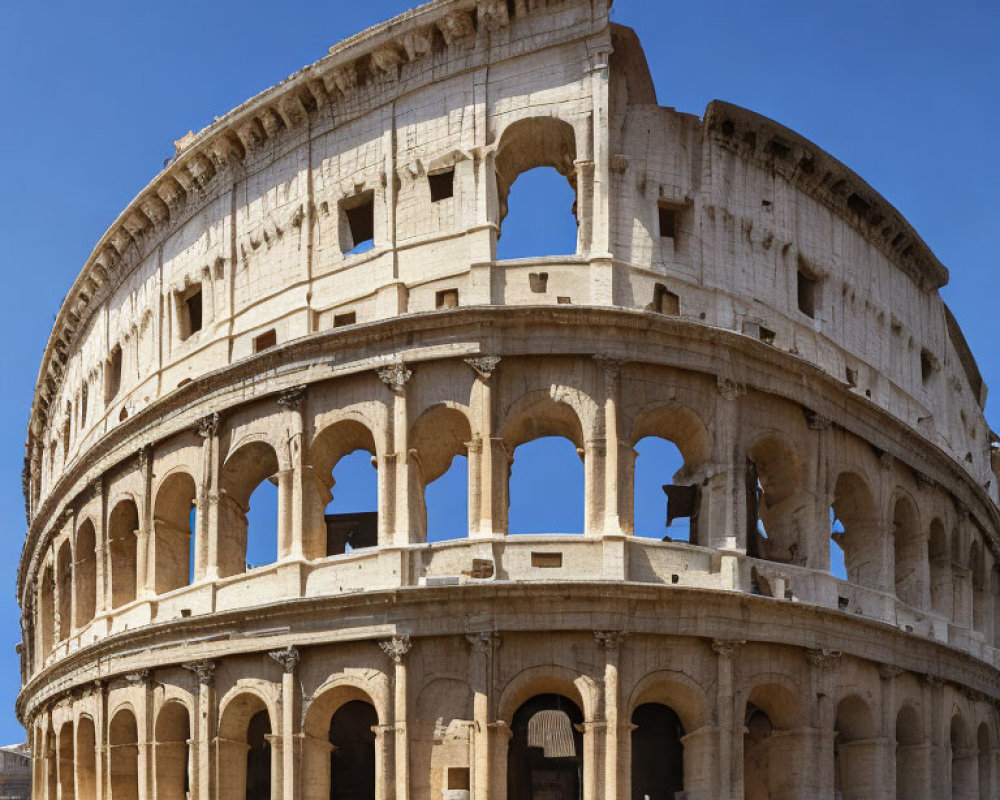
735, 291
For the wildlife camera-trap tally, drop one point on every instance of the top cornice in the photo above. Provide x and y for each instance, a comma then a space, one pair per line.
770, 145
376, 53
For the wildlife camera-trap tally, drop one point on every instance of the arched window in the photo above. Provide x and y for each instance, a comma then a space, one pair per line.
64, 571
344, 463
543, 207
657, 753
912, 766
908, 550
248, 510
352, 758
664, 505
86, 573
964, 778
245, 748
774, 483
123, 758
172, 752
855, 537
439, 438
173, 534
123, 526
546, 487
855, 750
67, 762
773, 709
86, 757
545, 752
939, 556
113, 375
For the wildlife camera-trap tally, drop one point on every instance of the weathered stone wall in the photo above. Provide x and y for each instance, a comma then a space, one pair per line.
735, 291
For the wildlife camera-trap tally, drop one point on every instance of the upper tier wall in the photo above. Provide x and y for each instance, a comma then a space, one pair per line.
771, 237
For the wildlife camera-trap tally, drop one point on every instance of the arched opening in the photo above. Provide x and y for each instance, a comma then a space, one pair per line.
352, 758
908, 550
67, 762
64, 571
86, 573
248, 509
770, 743
544, 212
911, 755
123, 743
657, 753
438, 439
854, 532
665, 508
244, 746
977, 575
964, 777
856, 752
985, 754
939, 557
344, 459
46, 610
173, 534
122, 530
86, 757
545, 752
51, 765
173, 752
774, 503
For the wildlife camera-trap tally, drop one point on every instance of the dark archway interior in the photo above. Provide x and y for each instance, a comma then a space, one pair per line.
657, 753
259, 757
545, 755
352, 761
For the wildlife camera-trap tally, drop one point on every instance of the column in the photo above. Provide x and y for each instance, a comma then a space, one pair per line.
102, 785
722, 518
730, 738
396, 648
300, 535
491, 469
207, 522
940, 736
616, 499
289, 660
817, 526
480, 678
71, 622
144, 581
383, 771
610, 642
101, 588
819, 780
601, 211
395, 377
591, 730
203, 729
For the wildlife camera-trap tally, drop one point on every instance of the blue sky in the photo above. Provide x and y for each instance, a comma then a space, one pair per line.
95, 93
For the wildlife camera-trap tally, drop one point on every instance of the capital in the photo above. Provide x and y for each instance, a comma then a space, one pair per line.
288, 657
292, 398
396, 647
395, 376
204, 669
609, 640
208, 425
816, 421
822, 658
484, 366
889, 671
726, 648
610, 366
481, 641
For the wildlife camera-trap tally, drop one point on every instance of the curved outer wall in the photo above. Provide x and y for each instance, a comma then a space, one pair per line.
734, 290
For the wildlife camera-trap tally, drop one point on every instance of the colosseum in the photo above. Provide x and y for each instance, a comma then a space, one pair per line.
316, 275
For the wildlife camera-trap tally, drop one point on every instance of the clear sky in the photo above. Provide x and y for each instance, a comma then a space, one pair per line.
904, 93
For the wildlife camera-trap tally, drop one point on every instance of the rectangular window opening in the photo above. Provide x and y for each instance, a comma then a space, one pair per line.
190, 312
266, 340
458, 779
546, 560
538, 282
807, 286
113, 380
442, 185
360, 214
668, 222
446, 298
928, 365
347, 318
665, 301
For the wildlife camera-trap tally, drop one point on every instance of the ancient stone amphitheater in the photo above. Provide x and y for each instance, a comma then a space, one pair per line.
734, 290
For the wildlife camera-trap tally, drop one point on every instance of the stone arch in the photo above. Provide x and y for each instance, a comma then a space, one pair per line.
85, 548
550, 679
939, 559
908, 550
439, 436
776, 499
250, 464
173, 532
678, 691
172, 751
546, 735
46, 610
64, 575
772, 738
964, 763
912, 765
337, 728
530, 143
246, 719
86, 756
123, 758
123, 529
340, 437
857, 755
67, 761
861, 539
